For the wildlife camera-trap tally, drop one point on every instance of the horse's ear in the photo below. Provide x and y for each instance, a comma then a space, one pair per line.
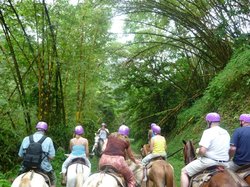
184, 142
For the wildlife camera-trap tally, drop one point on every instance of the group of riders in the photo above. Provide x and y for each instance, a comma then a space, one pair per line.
215, 148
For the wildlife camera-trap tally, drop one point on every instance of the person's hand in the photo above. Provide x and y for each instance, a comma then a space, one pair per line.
197, 151
137, 161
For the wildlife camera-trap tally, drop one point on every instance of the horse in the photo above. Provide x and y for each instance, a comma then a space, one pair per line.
244, 173
159, 174
98, 146
30, 179
145, 150
104, 179
77, 173
214, 176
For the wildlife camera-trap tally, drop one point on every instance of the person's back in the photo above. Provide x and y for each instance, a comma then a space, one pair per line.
79, 148
117, 147
217, 143
159, 144
240, 143
47, 148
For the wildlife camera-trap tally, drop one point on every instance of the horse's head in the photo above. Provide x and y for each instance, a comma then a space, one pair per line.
137, 170
188, 151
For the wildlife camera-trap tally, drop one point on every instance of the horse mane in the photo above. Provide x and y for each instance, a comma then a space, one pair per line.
25, 181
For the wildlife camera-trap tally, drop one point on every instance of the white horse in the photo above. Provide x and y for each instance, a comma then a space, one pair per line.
77, 173
103, 179
30, 179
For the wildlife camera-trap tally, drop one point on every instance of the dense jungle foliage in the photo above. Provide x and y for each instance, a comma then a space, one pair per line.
174, 62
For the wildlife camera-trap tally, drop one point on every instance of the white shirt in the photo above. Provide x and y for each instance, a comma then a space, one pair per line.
217, 142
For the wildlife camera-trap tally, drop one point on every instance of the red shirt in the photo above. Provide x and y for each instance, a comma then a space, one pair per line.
116, 145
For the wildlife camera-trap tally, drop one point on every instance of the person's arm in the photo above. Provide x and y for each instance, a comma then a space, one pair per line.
87, 148
232, 151
202, 151
130, 154
70, 145
52, 152
151, 145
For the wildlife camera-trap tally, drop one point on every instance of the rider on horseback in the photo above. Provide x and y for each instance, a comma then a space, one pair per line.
102, 133
214, 147
118, 145
146, 147
240, 144
158, 147
79, 148
48, 152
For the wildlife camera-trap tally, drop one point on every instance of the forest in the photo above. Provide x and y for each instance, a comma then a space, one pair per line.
170, 63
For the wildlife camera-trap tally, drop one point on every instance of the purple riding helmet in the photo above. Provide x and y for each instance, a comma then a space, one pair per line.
156, 129
152, 124
213, 117
41, 125
123, 130
245, 118
79, 130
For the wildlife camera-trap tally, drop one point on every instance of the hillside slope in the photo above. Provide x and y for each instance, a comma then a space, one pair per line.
228, 94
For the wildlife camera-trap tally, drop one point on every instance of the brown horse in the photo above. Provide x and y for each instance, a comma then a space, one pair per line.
244, 173
145, 150
160, 174
215, 177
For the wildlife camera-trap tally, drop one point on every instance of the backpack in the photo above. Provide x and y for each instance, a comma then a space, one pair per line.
34, 153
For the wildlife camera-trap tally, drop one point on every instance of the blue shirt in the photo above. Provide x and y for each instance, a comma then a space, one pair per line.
241, 140
78, 150
47, 147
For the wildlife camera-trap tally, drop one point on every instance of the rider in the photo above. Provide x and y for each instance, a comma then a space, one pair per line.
213, 150
48, 149
240, 144
158, 146
146, 147
103, 132
79, 148
118, 145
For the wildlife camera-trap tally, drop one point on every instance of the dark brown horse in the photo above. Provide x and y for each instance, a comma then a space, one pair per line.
244, 173
216, 177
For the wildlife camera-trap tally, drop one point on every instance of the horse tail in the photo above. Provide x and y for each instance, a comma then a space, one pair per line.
79, 179
169, 175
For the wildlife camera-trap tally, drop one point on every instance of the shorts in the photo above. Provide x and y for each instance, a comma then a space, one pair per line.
200, 164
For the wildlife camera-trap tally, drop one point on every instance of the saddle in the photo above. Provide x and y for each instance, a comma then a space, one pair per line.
244, 171
204, 176
108, 169
77, 161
